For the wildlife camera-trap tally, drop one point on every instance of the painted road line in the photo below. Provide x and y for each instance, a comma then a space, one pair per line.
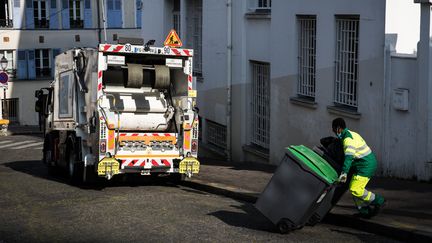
5, 141
39, 148
28, 145
14, 144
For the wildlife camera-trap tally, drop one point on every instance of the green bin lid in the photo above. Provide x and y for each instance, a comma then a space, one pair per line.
315, 162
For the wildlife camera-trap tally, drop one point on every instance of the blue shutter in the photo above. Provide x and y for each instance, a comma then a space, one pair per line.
54, 19
87, 14
17, 16
65, 14
29, 15
55, 52
114, 15
31, 65
138, 13
22, 64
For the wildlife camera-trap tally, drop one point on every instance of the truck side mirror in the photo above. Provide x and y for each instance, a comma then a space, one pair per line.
38, 105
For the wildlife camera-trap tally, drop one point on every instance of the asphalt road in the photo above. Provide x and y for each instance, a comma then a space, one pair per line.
38, 207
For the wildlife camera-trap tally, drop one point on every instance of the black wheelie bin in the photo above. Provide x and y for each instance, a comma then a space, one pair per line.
299, 185
332, 151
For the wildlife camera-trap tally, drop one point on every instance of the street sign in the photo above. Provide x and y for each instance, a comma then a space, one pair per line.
4, 78
173, 39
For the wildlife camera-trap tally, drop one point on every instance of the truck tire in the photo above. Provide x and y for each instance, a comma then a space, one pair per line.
74, 168
177, 178
48, 153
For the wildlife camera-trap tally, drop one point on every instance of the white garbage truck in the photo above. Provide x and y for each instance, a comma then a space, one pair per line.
122, 108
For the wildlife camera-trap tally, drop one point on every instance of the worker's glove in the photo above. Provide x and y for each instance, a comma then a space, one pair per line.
342, 178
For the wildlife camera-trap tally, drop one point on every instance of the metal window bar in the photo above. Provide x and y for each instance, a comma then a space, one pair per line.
346, 61
10, 107
260, 104
197, 36
216, 134
264, 4
176, 22
306, 56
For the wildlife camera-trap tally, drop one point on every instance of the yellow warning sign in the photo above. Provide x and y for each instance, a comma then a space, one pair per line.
173, 40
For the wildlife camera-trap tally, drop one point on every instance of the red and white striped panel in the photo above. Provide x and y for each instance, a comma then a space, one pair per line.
111, 48
190, 82
147, 134
182, 52
152, 163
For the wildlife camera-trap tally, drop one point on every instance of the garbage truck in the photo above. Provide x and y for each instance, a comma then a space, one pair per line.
124, 108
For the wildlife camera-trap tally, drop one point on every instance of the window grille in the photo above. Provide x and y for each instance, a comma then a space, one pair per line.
306, 55
10, 109
260, 104
197, 36
216, 134
40, 12
76, 14
42, 62
346, 61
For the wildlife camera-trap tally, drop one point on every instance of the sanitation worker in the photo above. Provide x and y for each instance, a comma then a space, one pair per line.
361, 161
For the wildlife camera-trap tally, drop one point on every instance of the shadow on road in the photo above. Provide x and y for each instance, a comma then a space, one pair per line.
249, 218
37, 169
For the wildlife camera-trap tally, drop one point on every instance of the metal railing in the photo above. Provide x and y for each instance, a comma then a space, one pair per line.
6, 23
216, 134
260, 104
306, 55
346, 61
10, 109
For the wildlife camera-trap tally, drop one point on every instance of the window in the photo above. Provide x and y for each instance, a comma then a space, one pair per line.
346, 61
176, 16
260, 5
76, 14
10, 57
5, 16
196, 30
42, 62
260, 104
216, 134
40, 13
306, 26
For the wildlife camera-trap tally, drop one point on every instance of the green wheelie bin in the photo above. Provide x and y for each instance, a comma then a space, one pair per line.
297, 188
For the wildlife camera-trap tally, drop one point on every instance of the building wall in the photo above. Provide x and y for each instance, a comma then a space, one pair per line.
296, 124
401, 17
59, 36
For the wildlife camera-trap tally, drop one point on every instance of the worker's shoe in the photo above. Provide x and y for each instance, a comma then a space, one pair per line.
378, 201
364, 212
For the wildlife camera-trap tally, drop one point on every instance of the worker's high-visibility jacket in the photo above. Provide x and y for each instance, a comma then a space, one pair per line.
358, 155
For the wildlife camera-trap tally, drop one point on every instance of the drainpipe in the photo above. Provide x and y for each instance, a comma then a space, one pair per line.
229, 77
98, 20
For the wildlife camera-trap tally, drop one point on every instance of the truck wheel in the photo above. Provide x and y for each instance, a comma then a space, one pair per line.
315, 219
285, 226
47, 151
75, 171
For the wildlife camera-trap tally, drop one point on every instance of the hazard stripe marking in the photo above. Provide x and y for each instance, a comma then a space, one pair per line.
118, 48
177, 52
106, 47
187, 52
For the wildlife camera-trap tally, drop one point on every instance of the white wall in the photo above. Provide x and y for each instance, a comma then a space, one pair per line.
402, 21
294, 124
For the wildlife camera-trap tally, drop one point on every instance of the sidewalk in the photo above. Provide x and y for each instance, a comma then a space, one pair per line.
407, 215
23, 130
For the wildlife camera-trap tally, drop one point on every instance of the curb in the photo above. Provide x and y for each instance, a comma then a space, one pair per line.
331, 218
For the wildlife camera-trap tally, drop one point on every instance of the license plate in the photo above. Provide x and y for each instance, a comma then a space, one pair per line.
108, 166
189, 165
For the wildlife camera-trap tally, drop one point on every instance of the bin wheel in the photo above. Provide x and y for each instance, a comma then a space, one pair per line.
315, 219
285, 226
